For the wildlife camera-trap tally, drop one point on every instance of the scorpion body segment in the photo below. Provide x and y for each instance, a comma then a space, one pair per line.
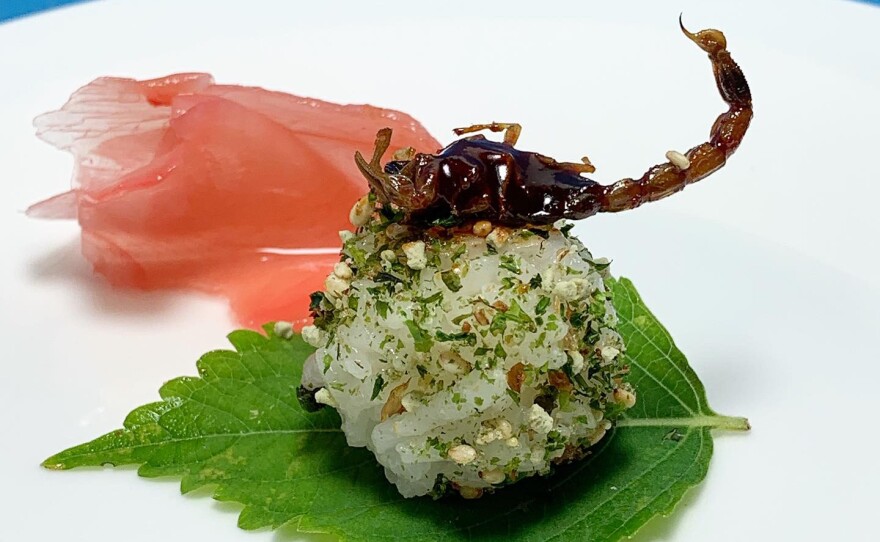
474, 178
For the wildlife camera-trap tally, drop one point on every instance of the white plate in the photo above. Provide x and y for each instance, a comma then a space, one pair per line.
766, 274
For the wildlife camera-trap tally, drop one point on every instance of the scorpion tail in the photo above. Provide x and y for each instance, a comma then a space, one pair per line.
683, 169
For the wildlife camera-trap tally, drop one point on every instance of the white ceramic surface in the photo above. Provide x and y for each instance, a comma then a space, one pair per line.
766, 274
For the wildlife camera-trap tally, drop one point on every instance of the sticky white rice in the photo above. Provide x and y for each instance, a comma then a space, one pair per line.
467, 363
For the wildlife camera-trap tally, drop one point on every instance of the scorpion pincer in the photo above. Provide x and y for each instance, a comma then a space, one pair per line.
474, 178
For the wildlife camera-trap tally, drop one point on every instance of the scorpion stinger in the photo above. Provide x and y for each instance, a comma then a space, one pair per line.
700, 161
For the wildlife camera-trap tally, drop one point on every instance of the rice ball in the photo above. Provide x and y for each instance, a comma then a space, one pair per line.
467, 361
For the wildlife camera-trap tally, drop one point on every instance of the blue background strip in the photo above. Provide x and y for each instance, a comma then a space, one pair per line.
11, 9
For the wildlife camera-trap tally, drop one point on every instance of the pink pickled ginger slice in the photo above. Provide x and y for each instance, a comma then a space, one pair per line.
238, 191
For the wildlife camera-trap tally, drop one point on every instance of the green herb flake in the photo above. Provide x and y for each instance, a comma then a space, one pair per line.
508, 283
433, 298
387, 339
459, 251
390, 214
600, 266
499, 351
422, 340
460, 318
378, 386
382, 308
540, 232
542, 305
355, 253
597, 309
578, 319
581, 382
564, 399
468, 338
514, 463
516, 314
451, 279
539, 340
446, 222
498, 325
316, 301
566, 228
536, 282
433, 257
511, 263
383, 276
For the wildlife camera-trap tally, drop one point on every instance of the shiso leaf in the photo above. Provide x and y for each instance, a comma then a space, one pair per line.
239, 428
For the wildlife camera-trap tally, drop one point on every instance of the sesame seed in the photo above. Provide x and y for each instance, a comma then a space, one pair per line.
624, 397
470, 492
462, 454
342, 270
335, 285
678, 160
482, 228
494, 476
361, 211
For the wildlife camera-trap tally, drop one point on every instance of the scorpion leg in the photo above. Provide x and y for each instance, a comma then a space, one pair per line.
511, 130
697, 163
372, 171
584, 166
